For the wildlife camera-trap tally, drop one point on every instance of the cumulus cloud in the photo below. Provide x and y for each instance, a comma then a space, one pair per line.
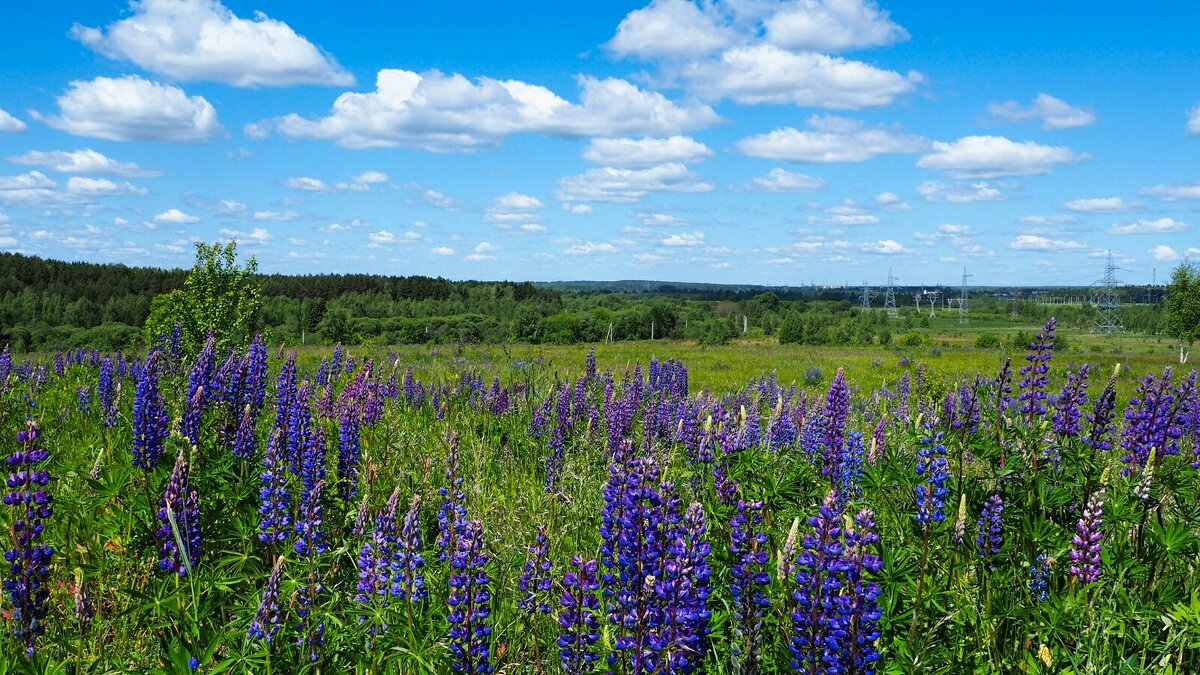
891, 201
1150, 227
885, 247
1193, 121
276, 215
514, 207
590, 248
995, 156
369, 178
1059, 219
204, 40
1164, 253
767, 52
1035, 242
443, 113
577, 209
611, 184
442, 250
130, 108
175, 217
1170, 193
645, 151
32, 189
1100, 205
960, 193
101, 187
9, 123
782, 180
430, 197
688, 239
766, 74
670, 28
830, 139
1054, 113
254, 237
86, 161
846, 214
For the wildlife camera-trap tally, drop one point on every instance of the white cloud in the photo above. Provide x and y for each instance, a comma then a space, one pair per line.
130, 108
832, 25
995, 156
430, 197
26, 181
960, 193
532, 228
478, 257
9, 123
441, 113
891, 201
645, 151
101, 187
590, 248
515, 201
669, 28
1054, 113
666, 219
1100, 205
1170, 193
765, 74
1164, 253
33, 189
442, 250
1150, 227
831, 139
82, 161
175, 217
610, 184
845, 216
369, 178
307, 184
1193, 123
688, 239
485, 247
885, 247
254, 237
229, 207
276, 215
1059, 219
780, 261
577, 209
782, 180
1033, 242
203, 40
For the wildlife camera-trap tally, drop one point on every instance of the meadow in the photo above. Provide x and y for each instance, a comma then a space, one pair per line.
628, 508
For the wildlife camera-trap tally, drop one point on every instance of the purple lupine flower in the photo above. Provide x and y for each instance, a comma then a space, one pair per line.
812, 436
1034, 378
849, 470
683, 590
1039, 574
349, 454
245, 440
968, 413
6, 366
150, 422
1085, 545
179, 518
374, 557
1154, 419
270, 613
933, 469
1067, 406
589, 365
28, 579
199, 387
453, 513
750, 577
106, 391
990, 530
336, 360
726, 488
299, 428
470, 603
310, 537
274, 499
311, 629
1004, 387
85, 606
581, 629
837, 409
817, 625
1101, 419
862, 613
534, 582
554, 460
285, 393
408, 581
878, 441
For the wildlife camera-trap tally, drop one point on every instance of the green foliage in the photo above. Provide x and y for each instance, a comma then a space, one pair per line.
987, 341
1181, 315
217, 298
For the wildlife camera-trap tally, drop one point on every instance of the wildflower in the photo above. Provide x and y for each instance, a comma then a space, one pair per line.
931, 493
1085, 545
750, 577
179, 518
310, 537
1103, 413
817, 625
683, 592
408, 583
534, 581
150, 421
1066, 406
274, 498
349, 452
29, 561
581, 630
861, 611
1039, 573
452, 513
990, 529
1033, 384
837, 409
270, 613
470, 603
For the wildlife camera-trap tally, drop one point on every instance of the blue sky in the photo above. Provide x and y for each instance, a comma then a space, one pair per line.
747, 141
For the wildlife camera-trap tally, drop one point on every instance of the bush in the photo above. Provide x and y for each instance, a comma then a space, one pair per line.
912, 340
988, 341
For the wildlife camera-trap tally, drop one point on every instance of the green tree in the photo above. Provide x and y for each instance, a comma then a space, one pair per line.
1181, 308
218, 297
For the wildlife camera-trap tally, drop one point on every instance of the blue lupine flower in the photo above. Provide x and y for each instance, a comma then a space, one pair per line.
349, 452
28, 579
683, 590
408, 582
861, 609
750, 577
990, 530
274, 499
452, 513
182, 506
1085, 545
534, 582
581, 629
150, 422
270, 613
470, 603
933, 468
818, 628
837, 409
1034, 380
1039, 573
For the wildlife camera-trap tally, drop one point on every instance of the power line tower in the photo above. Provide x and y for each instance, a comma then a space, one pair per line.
889, 298
865, 302
962, 301
1108, 305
